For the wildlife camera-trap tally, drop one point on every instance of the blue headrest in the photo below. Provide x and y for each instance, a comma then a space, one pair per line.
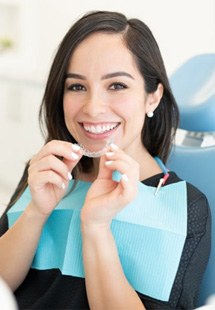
193, 85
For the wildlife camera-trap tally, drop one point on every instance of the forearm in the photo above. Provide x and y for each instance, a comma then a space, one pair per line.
18, 246
107, 286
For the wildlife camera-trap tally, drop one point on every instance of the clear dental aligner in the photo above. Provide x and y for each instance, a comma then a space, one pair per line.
99, 153
92, 154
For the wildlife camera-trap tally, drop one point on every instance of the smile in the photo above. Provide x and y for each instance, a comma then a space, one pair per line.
99, 128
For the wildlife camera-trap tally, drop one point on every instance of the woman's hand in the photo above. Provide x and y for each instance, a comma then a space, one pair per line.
48, 176
106, 197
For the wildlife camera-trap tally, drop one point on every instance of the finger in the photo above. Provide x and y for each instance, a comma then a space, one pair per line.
119, 160
118, 165
119, 155
59, 148
125, 181
45, 177
72, 163
115, 152
53, 163
104, 171
128, 179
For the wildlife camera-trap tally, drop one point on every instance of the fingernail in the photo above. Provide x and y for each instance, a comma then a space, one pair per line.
114, 147
69, 176
74, 156
109, 162
109, 154
76, 147
124, 177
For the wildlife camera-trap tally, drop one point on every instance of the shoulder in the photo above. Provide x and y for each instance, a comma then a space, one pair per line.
194, 195
199, 216
197, 206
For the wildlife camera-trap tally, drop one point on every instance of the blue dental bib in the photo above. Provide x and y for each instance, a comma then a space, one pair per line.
149, 233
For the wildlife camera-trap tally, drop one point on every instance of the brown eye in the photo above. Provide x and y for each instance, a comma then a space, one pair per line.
118, 86
76, 87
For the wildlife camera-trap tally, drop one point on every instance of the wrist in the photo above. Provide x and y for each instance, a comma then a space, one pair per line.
98, 229
34, 214
93, 221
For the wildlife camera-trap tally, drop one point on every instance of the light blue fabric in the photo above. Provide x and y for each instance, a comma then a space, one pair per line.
193, 85
149, 233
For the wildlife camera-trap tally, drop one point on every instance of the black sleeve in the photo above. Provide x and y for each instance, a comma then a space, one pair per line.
3, 223
196, 250
185, 290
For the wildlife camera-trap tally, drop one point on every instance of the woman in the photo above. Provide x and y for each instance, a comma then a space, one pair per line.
108, 109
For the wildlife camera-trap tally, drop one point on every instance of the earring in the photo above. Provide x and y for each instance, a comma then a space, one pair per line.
150, 114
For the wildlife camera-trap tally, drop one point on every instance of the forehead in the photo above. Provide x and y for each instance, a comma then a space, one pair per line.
103, 50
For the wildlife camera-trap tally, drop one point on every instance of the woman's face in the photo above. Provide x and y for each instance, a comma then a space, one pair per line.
104, 96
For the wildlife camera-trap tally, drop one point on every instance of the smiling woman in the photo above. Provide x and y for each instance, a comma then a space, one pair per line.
97, 92
104, 240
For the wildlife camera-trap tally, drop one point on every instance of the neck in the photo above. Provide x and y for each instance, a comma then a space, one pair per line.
148, 165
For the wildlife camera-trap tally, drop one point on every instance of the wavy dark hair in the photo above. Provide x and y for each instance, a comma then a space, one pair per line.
158, 132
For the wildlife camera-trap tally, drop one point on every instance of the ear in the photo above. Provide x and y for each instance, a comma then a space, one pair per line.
153, 99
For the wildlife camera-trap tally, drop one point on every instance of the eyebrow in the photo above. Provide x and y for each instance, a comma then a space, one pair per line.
115, 74
104, 77
75, 76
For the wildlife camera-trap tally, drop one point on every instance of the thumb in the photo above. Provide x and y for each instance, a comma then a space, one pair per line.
104, 171
71, 163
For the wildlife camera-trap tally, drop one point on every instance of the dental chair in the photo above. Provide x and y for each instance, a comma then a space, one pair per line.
193, 155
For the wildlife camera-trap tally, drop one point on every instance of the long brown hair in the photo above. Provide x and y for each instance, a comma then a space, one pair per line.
158, 132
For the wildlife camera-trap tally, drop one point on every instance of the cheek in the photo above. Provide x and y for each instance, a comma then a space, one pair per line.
72, 104
131, 108
123, 106
69, 108
134, 114
69, 113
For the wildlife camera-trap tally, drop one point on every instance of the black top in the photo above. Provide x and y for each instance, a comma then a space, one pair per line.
49, 289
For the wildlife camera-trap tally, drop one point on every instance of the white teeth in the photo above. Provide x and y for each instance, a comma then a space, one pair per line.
99, 128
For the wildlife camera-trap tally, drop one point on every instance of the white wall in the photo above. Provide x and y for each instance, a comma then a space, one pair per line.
182, 28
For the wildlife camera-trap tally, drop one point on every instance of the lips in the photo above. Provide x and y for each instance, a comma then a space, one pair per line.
100, 128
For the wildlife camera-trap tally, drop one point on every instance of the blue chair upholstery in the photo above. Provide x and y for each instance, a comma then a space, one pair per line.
193, 85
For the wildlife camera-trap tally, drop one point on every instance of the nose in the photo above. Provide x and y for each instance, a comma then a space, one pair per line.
94, 105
